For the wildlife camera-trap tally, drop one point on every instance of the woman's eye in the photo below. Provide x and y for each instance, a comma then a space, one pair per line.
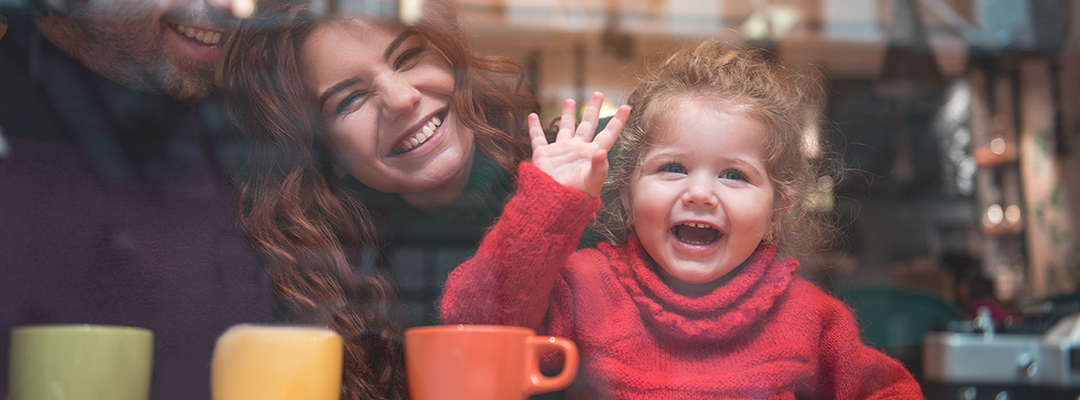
673, 168
348, 102
733, 175
408, 58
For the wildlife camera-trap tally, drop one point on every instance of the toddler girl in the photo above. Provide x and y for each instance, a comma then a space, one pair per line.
689, 299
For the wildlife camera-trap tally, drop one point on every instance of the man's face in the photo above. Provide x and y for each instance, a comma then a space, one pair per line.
158, 46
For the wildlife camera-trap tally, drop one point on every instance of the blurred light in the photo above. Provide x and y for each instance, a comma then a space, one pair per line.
825, 183
959, 102
606, 109
784, 18
812, 141
997, 146
994, 214
756, 27
823, 199
965, 175
1012, 214
409, 11
243, 8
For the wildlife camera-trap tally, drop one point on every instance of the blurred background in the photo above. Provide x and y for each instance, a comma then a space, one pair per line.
958, 122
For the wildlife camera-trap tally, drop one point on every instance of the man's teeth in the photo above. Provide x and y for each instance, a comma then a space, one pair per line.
202, 35
420, 137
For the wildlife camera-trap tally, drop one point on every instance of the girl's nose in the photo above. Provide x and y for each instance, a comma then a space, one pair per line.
700, 195
399, 96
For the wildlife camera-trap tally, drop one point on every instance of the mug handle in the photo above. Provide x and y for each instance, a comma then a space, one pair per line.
536, 382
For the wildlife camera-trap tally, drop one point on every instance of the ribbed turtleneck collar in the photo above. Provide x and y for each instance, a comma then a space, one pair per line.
715, 316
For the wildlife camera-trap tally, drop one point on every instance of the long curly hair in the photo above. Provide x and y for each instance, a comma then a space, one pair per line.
313, 233
744, 80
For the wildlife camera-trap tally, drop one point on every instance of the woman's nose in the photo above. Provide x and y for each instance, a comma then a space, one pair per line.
700, 195
239, 8
399, 96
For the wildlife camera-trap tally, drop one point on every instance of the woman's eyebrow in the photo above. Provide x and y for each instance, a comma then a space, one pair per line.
349, 82
397, 42
336, 88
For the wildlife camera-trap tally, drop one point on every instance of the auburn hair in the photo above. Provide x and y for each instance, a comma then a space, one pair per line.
746, 81
313, 234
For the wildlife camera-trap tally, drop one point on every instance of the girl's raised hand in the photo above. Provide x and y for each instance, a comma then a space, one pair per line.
576, 158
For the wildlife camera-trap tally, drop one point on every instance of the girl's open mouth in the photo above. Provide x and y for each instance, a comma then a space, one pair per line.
695, 233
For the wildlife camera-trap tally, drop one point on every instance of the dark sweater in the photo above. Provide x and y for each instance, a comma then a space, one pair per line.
113, 210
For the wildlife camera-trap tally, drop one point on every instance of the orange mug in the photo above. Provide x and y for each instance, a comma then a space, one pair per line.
482, 362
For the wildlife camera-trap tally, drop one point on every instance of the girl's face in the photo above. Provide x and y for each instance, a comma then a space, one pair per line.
385, 97
701, 200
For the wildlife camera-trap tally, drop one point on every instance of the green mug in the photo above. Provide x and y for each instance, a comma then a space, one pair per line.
80, 362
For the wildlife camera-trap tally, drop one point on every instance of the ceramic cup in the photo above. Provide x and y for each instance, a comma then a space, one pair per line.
80, 362
482, 362
260, 362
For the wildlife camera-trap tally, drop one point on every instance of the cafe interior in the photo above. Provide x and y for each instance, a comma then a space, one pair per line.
958, 126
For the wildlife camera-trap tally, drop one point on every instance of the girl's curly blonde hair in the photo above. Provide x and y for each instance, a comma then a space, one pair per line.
751, 82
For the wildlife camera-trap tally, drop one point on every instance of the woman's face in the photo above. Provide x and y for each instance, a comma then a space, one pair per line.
384, 95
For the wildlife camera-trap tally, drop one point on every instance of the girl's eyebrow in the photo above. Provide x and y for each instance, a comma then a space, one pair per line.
352, 81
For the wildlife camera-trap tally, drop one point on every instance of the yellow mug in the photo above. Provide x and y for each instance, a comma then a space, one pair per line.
260, 362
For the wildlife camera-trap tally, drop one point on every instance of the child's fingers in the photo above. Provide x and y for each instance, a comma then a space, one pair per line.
594, 182
606, 138
567, 123
590, 117
536, 132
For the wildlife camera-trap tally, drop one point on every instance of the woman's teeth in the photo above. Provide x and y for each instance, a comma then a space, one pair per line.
422, 136
206, 37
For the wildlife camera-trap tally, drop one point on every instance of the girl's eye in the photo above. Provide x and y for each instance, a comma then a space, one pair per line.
733, 175
674, 168
409, 57
350, 100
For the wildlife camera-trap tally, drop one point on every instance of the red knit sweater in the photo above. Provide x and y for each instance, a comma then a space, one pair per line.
764, 334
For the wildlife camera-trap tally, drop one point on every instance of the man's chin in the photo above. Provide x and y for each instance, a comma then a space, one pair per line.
189, 84
190, 93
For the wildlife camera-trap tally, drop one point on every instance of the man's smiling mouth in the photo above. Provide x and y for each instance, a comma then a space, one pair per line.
420, 137
695, 233
204, 36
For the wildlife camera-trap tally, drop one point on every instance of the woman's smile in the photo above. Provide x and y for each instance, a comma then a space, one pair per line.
421, 136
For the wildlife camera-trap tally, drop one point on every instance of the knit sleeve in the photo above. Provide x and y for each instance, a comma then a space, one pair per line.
852, 370
512, 277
